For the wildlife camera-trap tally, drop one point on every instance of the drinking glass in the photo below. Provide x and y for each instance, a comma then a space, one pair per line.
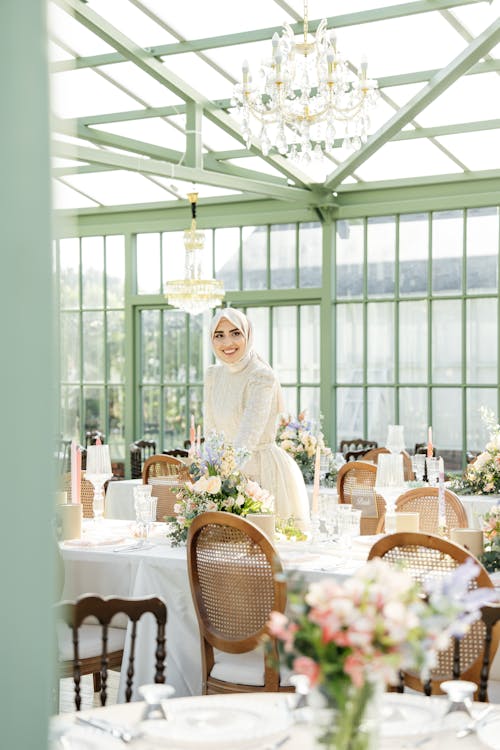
349, 524
145, 513
432, 471
418, 466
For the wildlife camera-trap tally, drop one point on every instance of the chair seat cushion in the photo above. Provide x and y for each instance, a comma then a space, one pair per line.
90, 641
244, 669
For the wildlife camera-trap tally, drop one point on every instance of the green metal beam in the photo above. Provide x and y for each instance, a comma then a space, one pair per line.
259, 35
480, 46
194, 145
451, 129
168, 78
179, 172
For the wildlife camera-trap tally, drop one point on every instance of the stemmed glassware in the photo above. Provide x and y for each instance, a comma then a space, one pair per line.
418, 466
98, 472
145, 509
432, 471
348, 524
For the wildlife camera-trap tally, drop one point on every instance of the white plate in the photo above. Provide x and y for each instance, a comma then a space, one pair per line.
410, 714
489, 732
220, 722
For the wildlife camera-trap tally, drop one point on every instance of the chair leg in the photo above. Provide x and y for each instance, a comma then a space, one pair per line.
97, 681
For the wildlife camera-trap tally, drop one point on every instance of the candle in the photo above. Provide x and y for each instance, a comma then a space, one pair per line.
69, 519
407, 521
198, 439
192, 432
98, 441
315, 497
430, 449
471, 539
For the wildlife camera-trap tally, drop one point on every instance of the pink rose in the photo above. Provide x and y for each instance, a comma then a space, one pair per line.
308, 667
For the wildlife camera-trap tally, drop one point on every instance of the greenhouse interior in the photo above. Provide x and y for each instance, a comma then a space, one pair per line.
329, 168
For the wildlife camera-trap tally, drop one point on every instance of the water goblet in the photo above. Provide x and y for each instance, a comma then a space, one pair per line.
432, 471
145, 512
418, 466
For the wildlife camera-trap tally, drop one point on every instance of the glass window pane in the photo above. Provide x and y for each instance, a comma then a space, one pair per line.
70, 347
69, 276
260, 321
477, 432
446, 342
349, 413
380, 344
150, 339
380, 413
116, 437
92, 271
195, 408
116, 346
310, 254
197, 350
290, 401
413, 415
151, 414
227, 256
115, 270
93, 408
254, 257
283, 243
175, 428
447, 251
482, 249
413, 342
93, 347
309, 402
350, 343
310, 333
148, 263
174, 346
447, 427
413, 253
70, 411
381, 253
285, 347
349, 253
482, 335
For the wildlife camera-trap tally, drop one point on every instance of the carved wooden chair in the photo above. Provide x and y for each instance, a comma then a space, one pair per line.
355, 481
92, 435
424, 501
94, 649
164, 474
177, 453
357, 444
236, 582
427, 556
140, 450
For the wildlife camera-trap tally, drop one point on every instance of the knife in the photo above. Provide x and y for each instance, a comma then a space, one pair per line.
115, 730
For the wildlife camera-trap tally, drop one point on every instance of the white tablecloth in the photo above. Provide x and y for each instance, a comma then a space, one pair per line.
476, 506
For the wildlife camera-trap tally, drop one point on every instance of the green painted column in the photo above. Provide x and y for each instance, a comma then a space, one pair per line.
28, 380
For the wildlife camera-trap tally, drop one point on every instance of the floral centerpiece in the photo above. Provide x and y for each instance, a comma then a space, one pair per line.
482, 477
491, 530
217, 484
349, 637
297, 437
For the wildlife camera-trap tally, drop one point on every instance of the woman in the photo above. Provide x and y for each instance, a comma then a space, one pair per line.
242, 401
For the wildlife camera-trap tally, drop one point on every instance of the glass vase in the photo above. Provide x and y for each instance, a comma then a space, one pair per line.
350, 723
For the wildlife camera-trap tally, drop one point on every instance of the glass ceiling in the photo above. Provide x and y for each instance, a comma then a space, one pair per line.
125, 80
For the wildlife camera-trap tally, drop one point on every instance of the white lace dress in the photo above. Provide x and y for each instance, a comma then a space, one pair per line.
243, 405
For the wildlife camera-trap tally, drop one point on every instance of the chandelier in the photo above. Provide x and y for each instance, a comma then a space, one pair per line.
308, 89
193, 294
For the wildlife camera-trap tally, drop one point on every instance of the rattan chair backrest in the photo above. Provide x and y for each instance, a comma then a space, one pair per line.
428, 557
353, 478
424, 501
236, 582
165, 474
86, 494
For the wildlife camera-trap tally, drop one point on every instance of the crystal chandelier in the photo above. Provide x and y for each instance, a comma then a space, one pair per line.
193, 294
308, 89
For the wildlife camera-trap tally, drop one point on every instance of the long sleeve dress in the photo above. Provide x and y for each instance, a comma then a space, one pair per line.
244, 406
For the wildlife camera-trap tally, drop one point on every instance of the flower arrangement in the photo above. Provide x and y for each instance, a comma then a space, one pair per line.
347, 637
217, 484
491, 530
297, 438
482, 477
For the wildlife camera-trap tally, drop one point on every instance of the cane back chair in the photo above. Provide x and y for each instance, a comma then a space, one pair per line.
86, 494
428, 557
236, 582
94, 649
424, 501
355, 484
164, 474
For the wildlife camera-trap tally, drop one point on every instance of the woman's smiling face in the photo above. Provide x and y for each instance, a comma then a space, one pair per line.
228, 341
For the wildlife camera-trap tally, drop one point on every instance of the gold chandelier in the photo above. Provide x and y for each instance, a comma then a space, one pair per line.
192, 294
308, 89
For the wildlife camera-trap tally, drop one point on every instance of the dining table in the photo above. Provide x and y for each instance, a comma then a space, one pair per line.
265, 721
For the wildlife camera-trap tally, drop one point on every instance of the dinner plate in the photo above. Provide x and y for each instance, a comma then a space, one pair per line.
404, 714
221, 722
489, 732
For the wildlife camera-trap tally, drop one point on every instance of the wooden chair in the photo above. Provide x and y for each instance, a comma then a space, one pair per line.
428, 556
86, 494
187, 443
177, 453
165, 474
236, 581
372, 455
424, 501
356, 444
355, 478
140, 450
94, 649
92, 435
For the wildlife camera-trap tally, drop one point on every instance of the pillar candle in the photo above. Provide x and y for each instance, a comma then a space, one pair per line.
471, 539
407, 521
430, 448
315, 497
70, 521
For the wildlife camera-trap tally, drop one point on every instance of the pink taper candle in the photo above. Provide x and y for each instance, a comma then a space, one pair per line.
192, 433
315, 497
198, 439
430, 448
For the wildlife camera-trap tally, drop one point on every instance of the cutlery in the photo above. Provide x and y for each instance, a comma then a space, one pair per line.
473, 725
131, 547
115, 730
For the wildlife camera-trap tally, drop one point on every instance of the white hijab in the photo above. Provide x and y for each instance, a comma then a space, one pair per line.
241, 322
